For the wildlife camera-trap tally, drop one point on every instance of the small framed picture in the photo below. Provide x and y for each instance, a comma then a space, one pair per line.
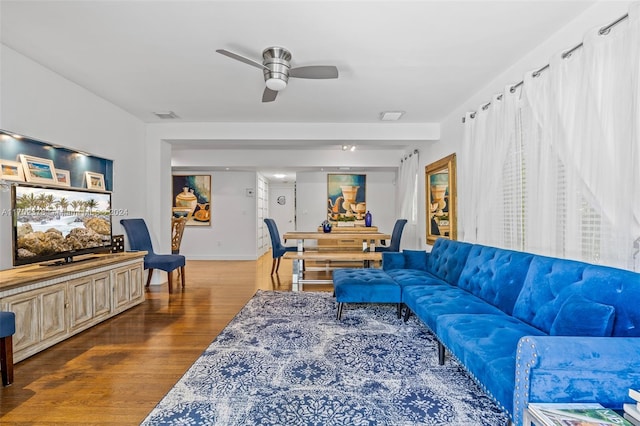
11, 170
38, 170
64, 177
94, 180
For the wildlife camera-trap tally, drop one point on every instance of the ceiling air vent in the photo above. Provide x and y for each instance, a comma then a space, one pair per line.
169, 115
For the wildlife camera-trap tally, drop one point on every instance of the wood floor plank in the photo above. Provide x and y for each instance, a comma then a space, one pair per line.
117, 371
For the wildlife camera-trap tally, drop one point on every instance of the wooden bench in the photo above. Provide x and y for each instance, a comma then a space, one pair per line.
299, 258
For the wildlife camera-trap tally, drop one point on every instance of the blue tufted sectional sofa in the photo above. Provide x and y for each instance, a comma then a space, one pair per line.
528, 328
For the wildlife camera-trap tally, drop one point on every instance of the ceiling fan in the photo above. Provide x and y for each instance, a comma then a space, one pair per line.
277, 69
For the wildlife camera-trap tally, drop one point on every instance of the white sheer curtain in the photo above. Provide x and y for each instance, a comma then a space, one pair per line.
486, 187
408, 198
566, 153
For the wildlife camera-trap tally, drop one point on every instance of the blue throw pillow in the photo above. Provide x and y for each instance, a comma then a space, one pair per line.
582, 317
415, 259
392, 260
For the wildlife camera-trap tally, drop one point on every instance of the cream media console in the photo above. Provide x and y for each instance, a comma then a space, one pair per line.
53, 303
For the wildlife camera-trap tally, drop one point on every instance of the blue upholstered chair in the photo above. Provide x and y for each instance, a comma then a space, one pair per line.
277, 248
396, 236
139, 239
7, 330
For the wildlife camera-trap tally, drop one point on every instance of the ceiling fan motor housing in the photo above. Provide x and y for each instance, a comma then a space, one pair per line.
277, 60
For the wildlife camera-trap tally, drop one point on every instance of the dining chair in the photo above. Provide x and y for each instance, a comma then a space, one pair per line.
396, 236
277, 248
7, 330
139, 239
177, 229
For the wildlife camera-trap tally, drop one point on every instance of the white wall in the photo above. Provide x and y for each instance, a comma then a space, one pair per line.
599, 15
232, 234
39, 103
311, 199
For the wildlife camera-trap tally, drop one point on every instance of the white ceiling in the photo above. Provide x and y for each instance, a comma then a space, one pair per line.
422, 57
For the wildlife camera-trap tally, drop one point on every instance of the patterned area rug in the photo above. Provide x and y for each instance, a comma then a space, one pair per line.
285, 360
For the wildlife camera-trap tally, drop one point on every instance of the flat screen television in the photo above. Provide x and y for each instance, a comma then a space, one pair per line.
59, 223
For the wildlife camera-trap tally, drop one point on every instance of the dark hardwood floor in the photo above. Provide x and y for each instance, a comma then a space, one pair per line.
117, 371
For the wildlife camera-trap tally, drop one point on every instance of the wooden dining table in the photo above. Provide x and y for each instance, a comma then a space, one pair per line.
369, 238
364, 254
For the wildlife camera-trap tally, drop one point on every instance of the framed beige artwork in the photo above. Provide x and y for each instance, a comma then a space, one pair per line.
11, 170
440, 197
38, 170
94, 181
64, 177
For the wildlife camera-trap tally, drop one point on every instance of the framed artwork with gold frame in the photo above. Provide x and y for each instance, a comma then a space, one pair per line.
440, 198
192, 198
346, 198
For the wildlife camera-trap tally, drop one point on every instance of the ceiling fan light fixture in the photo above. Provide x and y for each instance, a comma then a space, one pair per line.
276, 84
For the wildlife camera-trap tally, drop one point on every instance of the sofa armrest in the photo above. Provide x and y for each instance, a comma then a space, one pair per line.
392, 260
575, 369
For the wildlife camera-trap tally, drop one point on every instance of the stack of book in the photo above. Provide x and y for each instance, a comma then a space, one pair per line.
632, 411
575, 415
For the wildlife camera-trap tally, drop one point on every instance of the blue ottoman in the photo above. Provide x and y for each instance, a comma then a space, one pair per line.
365, 286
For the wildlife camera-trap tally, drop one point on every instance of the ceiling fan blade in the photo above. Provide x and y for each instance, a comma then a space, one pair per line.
314, 71
241, 58
269, 95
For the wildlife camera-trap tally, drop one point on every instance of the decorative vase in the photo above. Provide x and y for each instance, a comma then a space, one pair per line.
326, 226
367, 218
187, 199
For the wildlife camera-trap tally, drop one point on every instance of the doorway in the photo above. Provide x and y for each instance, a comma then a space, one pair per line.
282, 206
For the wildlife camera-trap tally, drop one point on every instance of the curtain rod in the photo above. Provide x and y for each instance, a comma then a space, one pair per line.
415, 151
602, 31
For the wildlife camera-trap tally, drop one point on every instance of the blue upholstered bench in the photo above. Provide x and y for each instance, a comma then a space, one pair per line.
365, 286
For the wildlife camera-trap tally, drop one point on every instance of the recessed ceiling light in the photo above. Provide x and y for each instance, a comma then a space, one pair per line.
391, 115
279, 175
168, 115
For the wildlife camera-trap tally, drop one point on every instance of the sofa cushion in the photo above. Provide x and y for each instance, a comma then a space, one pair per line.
582, 317
415, 259
486, 346
447, 258
438, 298
392, 260
409, 277
495, 275
550, 281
